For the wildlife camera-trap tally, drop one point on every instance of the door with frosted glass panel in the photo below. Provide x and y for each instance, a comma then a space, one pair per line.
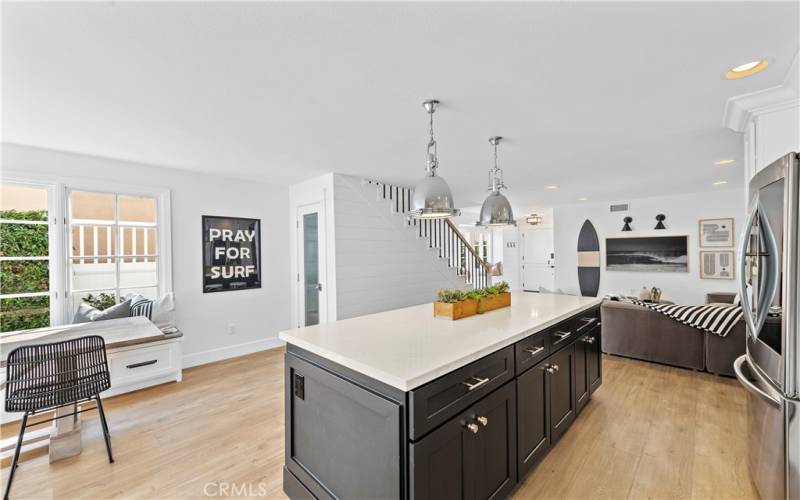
312, 292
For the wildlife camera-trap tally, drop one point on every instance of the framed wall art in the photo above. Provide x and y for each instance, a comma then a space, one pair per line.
717, 265
231, 253
716, 233
648, 254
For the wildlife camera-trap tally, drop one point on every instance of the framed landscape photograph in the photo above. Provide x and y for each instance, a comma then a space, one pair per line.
664, 254
231, 253
717, 265
716, 233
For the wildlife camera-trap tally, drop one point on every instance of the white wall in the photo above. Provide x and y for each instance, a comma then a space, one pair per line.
380, 264
683, 213
258, 314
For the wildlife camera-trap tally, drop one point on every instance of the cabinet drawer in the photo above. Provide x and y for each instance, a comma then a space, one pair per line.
132, 365
530, 351
567, 331
436, 402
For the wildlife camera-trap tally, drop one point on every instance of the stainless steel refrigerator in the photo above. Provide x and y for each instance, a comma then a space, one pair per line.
768, 276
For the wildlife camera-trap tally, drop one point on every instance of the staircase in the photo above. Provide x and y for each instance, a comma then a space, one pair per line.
441, 234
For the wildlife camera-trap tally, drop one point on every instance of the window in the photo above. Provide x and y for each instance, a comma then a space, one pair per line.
61, 241
25, 281
113, 247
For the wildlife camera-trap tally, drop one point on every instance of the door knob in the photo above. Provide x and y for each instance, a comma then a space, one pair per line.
319, 287
484, 421
472, 427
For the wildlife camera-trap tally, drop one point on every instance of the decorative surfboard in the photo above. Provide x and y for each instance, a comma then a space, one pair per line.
588, 260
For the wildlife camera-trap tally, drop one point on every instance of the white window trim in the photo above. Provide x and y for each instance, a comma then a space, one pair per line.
58, 186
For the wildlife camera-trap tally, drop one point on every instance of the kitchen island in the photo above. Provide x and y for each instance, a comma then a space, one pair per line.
400, 404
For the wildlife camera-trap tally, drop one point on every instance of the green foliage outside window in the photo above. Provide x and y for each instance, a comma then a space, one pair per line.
24, 240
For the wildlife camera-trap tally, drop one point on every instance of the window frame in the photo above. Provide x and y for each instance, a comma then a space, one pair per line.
118, 255
53, 246
59, 188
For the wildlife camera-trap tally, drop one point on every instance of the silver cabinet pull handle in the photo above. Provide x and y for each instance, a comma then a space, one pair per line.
533, 351
472, 427
562, 335
484, 421
586, 322
474, 385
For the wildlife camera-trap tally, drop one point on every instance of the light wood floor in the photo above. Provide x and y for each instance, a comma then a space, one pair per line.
650, 431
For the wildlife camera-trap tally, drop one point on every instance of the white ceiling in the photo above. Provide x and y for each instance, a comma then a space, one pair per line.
606, 100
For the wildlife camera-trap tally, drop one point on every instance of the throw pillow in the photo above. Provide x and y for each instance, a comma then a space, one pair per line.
87, 312
162, 312
142, 307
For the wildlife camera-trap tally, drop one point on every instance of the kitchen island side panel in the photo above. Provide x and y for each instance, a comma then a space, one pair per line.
343, 440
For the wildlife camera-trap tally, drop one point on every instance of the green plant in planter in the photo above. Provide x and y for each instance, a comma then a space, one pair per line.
449, 295
474, 294
501, 287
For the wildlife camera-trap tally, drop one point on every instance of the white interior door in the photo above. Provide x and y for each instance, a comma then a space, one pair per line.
311, 283
538, 262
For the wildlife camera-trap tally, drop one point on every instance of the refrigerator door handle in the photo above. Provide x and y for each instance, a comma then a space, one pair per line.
775, 401
744, 298
773, 274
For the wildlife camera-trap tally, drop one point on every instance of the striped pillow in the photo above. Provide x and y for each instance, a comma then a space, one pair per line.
143, 307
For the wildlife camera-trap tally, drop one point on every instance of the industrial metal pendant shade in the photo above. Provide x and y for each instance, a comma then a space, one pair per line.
432, 197
496, 210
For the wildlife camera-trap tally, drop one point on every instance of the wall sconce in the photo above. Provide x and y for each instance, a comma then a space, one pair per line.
533, 219
627, 226
660, 218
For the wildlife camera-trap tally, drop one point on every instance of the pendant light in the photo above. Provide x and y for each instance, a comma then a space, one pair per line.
496, 210
432, 197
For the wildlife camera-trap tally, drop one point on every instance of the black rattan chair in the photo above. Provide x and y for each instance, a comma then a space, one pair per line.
44, 377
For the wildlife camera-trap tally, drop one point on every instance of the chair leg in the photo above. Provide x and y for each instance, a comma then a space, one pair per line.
106, 434
14, 463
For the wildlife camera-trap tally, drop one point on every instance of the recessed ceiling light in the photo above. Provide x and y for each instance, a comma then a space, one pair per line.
583, 198
720, 183
551, 187
724, 162
746, 69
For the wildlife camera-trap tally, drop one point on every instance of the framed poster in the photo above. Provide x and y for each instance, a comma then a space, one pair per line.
717, 265
716, 233
664, 254
231, 253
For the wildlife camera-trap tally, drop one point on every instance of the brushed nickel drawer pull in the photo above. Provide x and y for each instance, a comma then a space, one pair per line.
534, 351
586, 322
143, 363
562, 335
475, 385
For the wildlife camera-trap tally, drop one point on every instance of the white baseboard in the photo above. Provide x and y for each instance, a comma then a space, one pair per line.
231, 351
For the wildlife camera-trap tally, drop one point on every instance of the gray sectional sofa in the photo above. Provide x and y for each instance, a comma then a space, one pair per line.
637, 332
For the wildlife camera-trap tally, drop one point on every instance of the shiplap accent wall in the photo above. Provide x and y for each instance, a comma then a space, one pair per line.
380, 264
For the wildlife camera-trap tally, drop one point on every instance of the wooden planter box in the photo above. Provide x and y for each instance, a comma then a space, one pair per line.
455, 310
494, 302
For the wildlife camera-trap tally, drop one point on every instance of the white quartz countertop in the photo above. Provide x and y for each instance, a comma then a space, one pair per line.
406, 348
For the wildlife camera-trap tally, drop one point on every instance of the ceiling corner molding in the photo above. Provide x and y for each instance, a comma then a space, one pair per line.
741, 109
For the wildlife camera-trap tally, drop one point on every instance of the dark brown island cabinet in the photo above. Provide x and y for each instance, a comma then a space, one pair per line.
471, 434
